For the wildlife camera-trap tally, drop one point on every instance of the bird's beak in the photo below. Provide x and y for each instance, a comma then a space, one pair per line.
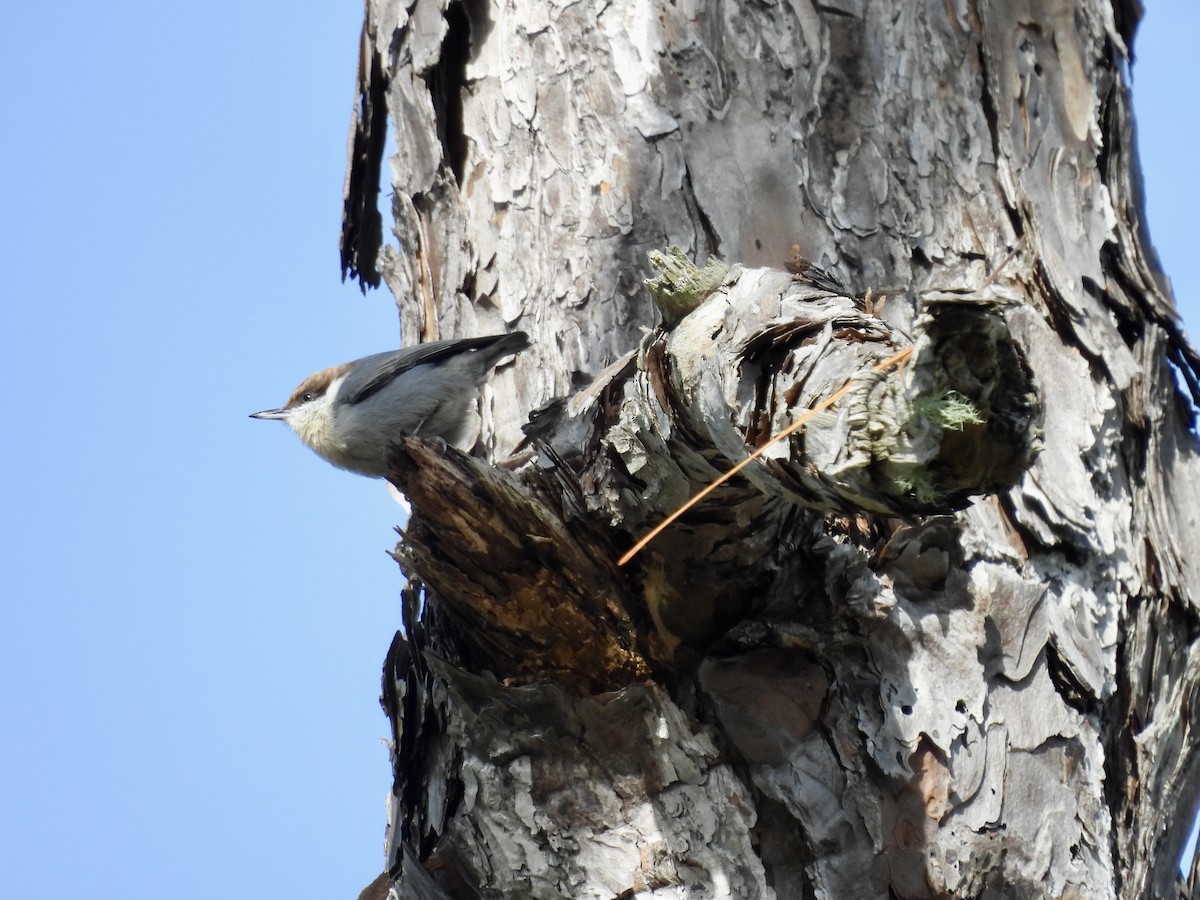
271, 414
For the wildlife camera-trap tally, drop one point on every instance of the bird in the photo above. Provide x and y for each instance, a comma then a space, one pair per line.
352, 414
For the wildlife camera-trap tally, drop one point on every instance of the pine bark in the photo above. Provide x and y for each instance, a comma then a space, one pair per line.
900, 655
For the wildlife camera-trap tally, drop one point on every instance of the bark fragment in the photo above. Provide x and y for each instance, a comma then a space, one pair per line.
532, 588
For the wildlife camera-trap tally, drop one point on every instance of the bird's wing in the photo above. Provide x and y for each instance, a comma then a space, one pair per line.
374, 373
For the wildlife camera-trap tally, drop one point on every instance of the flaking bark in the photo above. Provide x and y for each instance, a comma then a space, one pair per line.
957, 419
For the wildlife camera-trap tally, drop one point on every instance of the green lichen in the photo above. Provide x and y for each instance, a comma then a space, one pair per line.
917, 484
949, 410
681, 285
916, 465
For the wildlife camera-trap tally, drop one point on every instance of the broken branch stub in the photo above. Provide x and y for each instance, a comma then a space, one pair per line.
529, 586
958, 420
681, 285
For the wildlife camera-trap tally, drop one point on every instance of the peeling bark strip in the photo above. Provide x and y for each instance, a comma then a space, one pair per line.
362, 226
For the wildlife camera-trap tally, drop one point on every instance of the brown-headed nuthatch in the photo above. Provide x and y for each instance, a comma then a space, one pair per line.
352, 413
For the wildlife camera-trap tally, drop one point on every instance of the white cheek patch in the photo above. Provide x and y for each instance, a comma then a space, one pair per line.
312, 421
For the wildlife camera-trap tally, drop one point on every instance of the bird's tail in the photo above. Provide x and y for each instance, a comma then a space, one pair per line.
497, 346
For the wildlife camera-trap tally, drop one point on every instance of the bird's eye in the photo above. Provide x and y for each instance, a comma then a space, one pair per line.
308, 397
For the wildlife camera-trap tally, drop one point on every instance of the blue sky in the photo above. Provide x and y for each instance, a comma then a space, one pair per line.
194, 607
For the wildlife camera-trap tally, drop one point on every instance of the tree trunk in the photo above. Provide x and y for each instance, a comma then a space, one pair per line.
942, 640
